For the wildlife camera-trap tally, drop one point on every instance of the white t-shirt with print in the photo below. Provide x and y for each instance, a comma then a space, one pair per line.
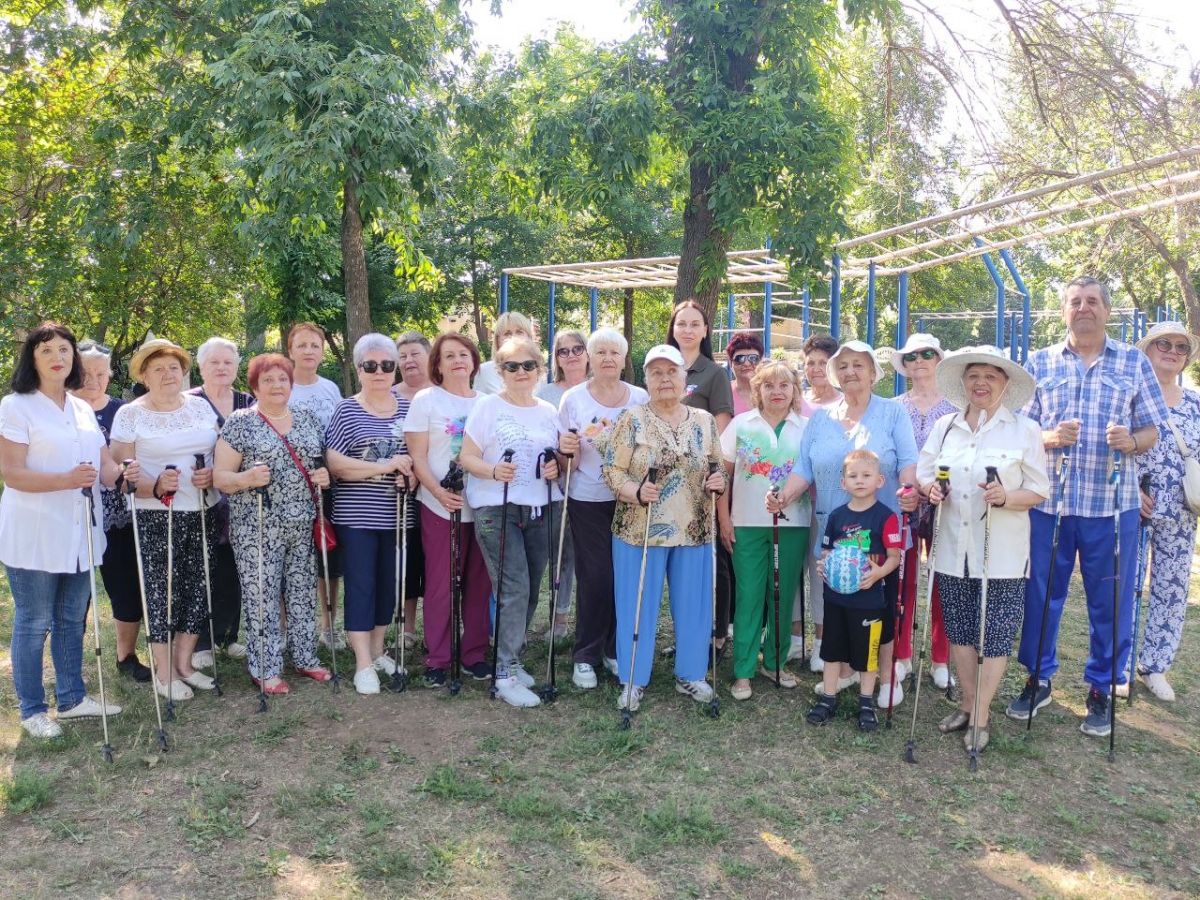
579, 409
495, 425
443, 416
321, 398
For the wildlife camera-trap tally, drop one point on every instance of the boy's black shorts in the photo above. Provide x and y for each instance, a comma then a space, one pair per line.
852, 636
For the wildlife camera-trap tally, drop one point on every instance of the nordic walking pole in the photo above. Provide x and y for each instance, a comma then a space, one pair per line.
454, 482
493, 691
1144, 531
261, 493
399, 683
775, 517
131, 487
973, 761
943, 485
1063, 463
714, 705
212, 635
626, 712
556, 579
549, 690
1117, 459
106, 749
168, 500
334, 682
899, 622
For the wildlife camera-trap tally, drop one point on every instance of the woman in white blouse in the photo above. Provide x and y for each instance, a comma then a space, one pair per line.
989, 388
51, 452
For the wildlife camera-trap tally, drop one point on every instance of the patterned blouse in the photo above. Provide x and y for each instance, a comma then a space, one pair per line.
682, 517
1164, 462
288, 496
922, 424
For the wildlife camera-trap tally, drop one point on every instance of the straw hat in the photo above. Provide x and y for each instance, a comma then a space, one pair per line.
852, 347
952, 368
155, 345
1170, 330
915, 343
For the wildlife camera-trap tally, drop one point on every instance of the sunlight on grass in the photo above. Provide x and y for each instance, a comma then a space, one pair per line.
782, 848
1093, 878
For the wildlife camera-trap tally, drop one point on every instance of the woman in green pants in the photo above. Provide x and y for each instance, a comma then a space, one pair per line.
759, 448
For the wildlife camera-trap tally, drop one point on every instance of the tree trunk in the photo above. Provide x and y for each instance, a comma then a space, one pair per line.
628, 317
354, 266
701, 237
1179, 265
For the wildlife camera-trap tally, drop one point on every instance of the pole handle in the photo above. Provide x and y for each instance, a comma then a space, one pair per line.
130, 486
992, 475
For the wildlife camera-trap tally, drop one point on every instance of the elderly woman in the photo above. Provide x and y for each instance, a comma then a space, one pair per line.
760, 448
165, 429
571, 362
819, 394
218, 361
1170, 348
434, 432
989, 388
515, 420
681, 443
744, 352
271, 451
587, 415
918, 360
367, 454
412, 348
306, 349
859, 421
119, 566
507, 325
51, 451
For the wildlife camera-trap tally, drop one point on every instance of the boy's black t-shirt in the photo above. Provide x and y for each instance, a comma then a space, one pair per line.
876, 530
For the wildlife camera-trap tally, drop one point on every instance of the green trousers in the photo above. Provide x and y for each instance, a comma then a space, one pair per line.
754, 573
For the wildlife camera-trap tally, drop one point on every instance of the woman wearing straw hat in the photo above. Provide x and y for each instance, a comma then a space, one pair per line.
1170, 348
990, 388
925, 404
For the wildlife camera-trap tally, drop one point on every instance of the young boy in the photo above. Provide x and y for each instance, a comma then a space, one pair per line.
854, 621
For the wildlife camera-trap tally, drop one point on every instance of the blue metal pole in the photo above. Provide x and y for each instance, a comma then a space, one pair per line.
595, 307
804, 312
871, 304
1026, 312
835, 299
901, 324
1124, 328
998, 279
503, 293
766, 338
550, 336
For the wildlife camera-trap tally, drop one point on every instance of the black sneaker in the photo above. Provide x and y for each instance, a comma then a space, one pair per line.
1096, 723
1019, 708
131, 667
822, 711
435, 678
867, 718
480, 671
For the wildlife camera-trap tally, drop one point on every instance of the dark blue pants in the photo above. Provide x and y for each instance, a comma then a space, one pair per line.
1091, 541
369, 562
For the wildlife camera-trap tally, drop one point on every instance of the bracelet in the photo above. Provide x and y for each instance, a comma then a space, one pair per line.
154, 489
493, 473
1135, 443
637, 492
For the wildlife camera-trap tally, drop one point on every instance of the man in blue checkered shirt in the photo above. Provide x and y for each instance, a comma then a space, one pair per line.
1095, 397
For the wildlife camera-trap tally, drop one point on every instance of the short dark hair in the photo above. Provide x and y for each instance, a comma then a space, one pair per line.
435, 355
25, 379
706, 343
264, 363
823, 343
744, 340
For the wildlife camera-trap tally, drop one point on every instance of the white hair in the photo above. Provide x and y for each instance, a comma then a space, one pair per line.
607, 337
369, 343
216, 343
92, 353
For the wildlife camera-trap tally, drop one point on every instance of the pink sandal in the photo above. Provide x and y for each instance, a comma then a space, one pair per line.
281, 688
317, 674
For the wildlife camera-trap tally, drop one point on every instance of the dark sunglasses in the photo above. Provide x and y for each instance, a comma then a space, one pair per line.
529, 365
1163, 345
746, 359
564, 352
388, 366
924, 354
92, 345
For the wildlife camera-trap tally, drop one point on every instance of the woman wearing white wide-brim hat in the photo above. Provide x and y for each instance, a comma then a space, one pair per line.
1170, 348
990, 388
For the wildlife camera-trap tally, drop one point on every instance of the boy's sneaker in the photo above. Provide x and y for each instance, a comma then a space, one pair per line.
584, 676
611, 665
843, 683
480, 671
518, 672
867, 719
132, 667
514, 693
630, 700
41, 726
1096, 723
87, 708
1035, 695
435, 678
700, 691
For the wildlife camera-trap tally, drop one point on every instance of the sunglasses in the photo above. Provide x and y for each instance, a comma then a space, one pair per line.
564, 352
529, 365
746, 359
388, 366
92, 345
1162, 345
924, 354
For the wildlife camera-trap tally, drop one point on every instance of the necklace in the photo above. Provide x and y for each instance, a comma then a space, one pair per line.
286, 413
374, 409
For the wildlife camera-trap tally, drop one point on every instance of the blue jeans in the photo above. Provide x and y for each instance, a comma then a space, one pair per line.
55, 604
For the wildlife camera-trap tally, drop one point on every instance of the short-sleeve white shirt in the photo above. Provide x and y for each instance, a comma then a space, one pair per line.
760, 461
321, 398
443, 416
495, 425
579, 409
169, 438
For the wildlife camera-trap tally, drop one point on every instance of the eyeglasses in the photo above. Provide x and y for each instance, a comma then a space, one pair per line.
92, 345
1163, 345
564, 352
387, 366
746, 359
924, 354
529, 365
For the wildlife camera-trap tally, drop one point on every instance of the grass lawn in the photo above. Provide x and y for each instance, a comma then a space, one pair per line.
424, 795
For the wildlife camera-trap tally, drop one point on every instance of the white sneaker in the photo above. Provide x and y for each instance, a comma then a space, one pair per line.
815, 663
843, 683
518, 671
797, 648
366, 681
611, 665
179, 690
88, 708
886, 694
1157, 682
700, 691
514, 693
200, 681
235, 651
41, 726
941, 677
584, 676
631, 700
202, 659
385, 664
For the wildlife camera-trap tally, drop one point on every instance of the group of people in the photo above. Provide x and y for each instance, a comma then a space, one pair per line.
760, 495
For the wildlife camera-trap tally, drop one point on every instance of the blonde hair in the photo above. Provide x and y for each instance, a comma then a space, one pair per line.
509, 321
768, 369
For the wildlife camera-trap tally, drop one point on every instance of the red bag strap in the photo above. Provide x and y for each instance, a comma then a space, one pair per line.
295, 458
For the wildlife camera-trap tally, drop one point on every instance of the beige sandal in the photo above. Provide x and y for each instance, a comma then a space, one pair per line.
956, 721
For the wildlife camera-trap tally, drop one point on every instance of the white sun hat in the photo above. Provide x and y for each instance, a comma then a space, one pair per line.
950, 375
916, 343
1169, 330
853, 347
